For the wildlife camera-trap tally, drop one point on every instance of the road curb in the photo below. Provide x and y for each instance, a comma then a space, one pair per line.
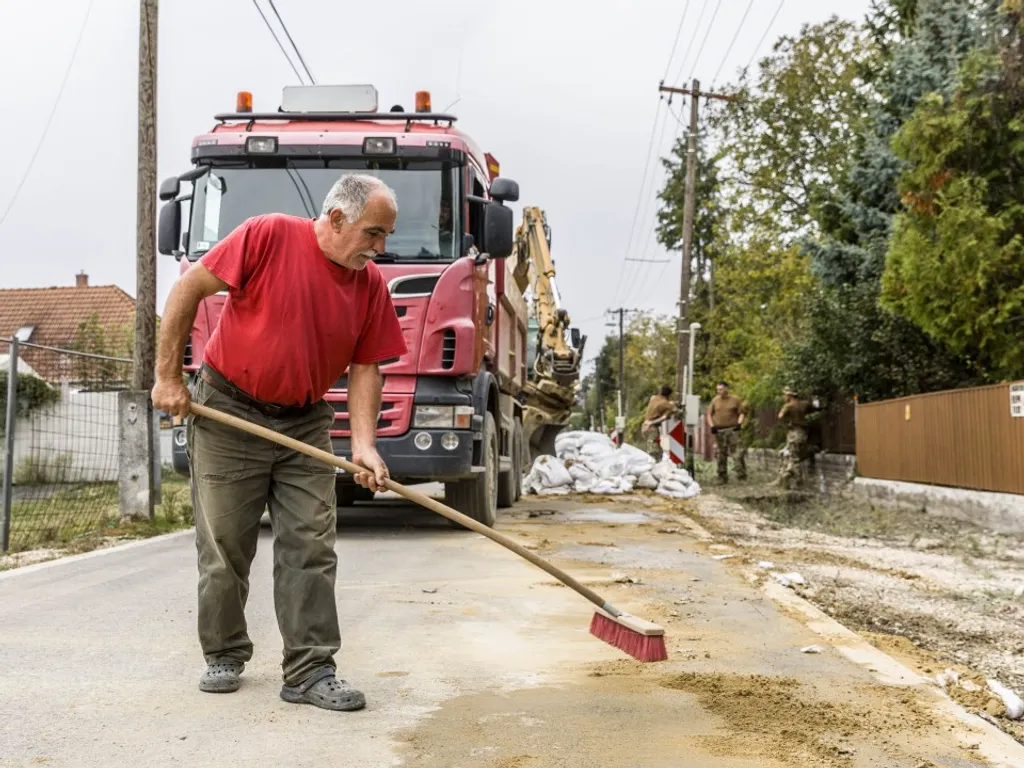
999, 748
69, 559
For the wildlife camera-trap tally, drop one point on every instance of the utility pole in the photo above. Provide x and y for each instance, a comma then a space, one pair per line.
138, 475
683, 322
145, 228
620, 420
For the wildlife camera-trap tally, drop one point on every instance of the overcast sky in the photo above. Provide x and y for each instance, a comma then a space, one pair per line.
563, 94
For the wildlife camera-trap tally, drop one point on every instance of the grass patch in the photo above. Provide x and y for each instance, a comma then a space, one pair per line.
85, 516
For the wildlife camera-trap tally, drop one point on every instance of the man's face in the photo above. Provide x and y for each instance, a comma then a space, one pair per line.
723, 390
445, 216
353, 244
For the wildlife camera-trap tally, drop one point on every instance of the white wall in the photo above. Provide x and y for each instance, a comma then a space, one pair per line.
75, 439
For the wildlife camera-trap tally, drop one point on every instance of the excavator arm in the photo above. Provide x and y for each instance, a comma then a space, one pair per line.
554, 377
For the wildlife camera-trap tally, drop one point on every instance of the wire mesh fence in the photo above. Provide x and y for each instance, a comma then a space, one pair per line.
60, 437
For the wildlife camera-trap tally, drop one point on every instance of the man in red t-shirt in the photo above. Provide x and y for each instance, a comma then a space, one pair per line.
305, 303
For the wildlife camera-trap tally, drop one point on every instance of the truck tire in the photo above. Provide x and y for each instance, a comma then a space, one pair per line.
519, 459
349, 493
478, 497
509, 483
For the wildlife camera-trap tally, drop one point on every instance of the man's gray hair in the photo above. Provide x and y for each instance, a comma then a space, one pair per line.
351, 192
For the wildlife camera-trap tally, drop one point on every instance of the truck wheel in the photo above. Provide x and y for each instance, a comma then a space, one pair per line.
349, 493
507, 480
478, 497
510, 483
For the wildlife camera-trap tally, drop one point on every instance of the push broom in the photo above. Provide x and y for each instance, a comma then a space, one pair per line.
640, 639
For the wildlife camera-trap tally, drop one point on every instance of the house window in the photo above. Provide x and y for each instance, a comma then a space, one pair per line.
25, 332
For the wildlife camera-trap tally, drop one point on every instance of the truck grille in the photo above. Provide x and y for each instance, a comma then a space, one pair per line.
448, 349
343, 423
188, 351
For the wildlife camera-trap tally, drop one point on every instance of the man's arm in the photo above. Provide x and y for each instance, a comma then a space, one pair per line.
169, 392
364, 386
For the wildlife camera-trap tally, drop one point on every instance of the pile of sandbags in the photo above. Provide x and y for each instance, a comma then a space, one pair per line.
589, 462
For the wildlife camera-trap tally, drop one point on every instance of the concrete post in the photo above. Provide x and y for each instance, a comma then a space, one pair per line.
12, 402
135, 474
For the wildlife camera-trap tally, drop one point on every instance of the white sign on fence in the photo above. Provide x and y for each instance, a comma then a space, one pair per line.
1017, 400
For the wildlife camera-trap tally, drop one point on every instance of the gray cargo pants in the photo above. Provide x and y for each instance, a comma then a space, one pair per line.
235, 477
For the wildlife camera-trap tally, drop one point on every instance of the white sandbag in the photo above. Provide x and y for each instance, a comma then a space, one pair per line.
597, 449
664, 469
647, 481
606, 487
552, 472
592, 438
612, 469
585, 486
581, 472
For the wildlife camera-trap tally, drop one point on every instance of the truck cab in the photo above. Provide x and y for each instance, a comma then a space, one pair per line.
449, 409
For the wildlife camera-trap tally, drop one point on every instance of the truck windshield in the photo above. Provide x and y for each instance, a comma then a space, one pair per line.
424, 230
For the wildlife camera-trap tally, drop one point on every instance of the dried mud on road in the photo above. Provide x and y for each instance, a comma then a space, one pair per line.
937, 593
736, 690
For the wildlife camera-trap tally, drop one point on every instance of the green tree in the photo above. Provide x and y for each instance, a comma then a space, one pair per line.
788, 135
854, 345
955, 266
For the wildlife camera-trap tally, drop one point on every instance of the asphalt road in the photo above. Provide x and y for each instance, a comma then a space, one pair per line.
468, 656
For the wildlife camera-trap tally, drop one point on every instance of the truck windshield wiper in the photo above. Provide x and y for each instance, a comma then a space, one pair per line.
388, 256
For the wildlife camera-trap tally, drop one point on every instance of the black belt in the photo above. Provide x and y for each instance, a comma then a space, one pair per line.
222, 385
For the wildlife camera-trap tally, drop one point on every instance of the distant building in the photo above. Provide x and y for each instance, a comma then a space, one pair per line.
97, 319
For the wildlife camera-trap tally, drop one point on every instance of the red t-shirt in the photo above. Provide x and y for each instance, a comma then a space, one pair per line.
293, 319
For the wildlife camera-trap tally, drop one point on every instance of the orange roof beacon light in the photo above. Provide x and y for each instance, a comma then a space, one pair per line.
493, 168
243, 102
422, 101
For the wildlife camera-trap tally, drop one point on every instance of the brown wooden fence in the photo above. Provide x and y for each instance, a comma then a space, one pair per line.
967, 438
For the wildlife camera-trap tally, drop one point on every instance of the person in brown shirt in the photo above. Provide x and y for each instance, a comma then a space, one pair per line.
659, 407
725, 417
794, 417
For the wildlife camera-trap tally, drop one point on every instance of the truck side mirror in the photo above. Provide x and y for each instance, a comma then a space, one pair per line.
574, 334
498, 227
504, 190
169, 188
168, 233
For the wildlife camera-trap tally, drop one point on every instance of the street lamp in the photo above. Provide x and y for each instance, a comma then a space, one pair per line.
694, 327
693, 419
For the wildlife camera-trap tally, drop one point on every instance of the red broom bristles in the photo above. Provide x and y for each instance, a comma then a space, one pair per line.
636, 644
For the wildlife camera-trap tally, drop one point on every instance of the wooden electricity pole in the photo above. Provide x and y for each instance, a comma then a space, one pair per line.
682, 336
145, 229
138, 470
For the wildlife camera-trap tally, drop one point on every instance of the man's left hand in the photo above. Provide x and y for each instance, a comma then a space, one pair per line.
377, 470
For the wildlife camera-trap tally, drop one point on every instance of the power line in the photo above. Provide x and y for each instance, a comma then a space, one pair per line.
693, 38
639, 198
707, 34
679, 30
49, 119
277, 40
766, 31
732, 43
290, 40
646, 198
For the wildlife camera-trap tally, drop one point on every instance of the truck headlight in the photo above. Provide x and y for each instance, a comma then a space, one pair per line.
434, 417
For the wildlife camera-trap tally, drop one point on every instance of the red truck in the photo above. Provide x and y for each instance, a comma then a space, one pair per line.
451, 408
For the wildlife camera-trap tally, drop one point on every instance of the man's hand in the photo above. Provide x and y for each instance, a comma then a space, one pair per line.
171, 396
378, 471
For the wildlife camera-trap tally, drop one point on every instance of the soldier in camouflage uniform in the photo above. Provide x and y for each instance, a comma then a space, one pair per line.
794, 416
659, 408
725, 416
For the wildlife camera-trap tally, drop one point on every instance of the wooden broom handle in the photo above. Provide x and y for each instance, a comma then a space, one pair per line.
423, 500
